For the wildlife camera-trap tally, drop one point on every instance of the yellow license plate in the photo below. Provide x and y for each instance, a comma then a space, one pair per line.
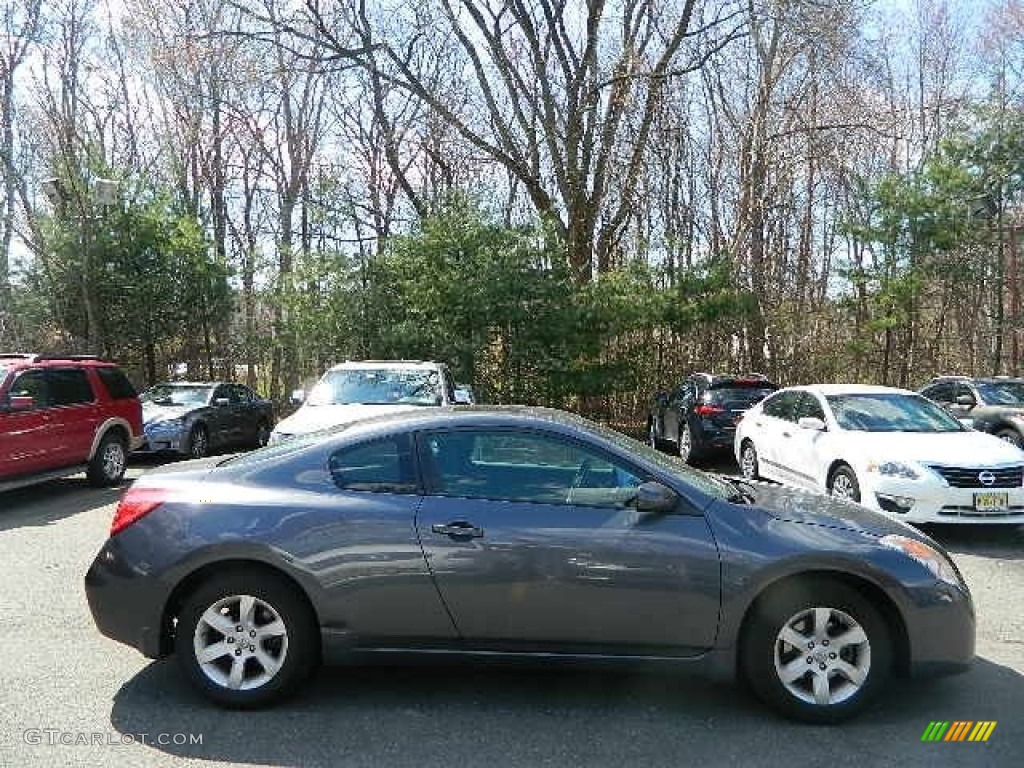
991, 501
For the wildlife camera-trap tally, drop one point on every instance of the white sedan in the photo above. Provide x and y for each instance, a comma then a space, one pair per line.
889, 449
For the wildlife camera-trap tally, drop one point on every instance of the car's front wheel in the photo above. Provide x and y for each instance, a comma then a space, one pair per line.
816, 650
843, 484
748, 461
246, 640
198, 442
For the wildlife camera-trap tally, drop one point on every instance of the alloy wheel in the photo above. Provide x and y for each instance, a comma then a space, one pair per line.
822, 656
240, 642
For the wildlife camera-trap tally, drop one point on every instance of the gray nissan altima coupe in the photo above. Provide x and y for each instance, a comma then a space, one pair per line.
518, 533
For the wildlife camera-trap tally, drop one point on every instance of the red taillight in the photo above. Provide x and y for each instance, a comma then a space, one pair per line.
708, 410
136, 504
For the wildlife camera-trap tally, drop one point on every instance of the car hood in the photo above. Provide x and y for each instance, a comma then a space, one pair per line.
314, 418
797, 506
955, 448
152, 412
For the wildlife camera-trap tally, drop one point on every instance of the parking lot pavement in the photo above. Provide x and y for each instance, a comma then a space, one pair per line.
69, 697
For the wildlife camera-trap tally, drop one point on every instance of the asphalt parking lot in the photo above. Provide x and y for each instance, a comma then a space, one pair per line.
69, 696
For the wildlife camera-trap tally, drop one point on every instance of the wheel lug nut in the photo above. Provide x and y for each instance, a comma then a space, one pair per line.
824, 642
252, 633
810, 660
810, 645
831, 655
822, 667
238, 652
238, 628
231, 640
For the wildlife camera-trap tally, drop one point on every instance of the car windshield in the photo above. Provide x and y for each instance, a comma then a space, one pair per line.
176, 394
890, 412
377, 386
997, 393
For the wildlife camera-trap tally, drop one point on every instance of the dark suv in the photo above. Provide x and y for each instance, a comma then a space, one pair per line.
700, 416
994, 405
64, 415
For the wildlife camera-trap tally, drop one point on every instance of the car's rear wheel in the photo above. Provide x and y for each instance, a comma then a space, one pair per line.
816, 650
246, 639
198, 442
748, 461
687, 452
108, 464
1012, 436
843, 484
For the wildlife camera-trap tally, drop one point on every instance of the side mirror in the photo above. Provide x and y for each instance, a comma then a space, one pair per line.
463, 397
653, 497
811, 422
965, 400
221, 401
20, 403
298, 396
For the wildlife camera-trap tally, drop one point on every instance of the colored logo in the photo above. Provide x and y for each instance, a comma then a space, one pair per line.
959, 730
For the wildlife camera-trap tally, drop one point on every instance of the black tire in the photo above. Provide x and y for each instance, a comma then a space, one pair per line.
274, 599
198, 442
765, 657
750, 470
107, 466
844, 478
262, 434
1011, 436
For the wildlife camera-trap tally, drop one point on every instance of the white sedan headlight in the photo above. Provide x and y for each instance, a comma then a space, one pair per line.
893, 469
938, 564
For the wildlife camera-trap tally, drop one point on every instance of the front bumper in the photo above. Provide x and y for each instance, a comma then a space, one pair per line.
935, 502
158, 439
126, 605
941, 631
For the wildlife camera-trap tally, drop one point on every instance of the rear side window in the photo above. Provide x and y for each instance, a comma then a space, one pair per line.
117, 384
69, 386
379, 466
782, 405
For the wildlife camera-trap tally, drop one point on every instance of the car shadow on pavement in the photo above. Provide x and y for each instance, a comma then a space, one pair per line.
50, 502
478, 715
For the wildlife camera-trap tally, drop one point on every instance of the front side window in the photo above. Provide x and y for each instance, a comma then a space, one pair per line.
940, 393
378, 466
528, 467
809, 407
890, 412
377, 386
33, 384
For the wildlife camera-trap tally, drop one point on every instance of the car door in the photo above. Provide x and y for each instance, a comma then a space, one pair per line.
367, 553
678, 407
807, 446
222, 418
247, 414
774, 427
30, 439
76, 413
533, 545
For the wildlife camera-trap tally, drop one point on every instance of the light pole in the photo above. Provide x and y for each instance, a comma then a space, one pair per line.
104, 193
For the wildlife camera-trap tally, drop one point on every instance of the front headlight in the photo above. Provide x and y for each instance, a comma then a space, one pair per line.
938, 564
893, 469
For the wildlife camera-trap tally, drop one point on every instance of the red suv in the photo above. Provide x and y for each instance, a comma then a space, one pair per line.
64, 415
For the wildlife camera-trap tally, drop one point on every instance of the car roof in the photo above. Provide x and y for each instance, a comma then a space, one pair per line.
190, 383
851, 389
376, 365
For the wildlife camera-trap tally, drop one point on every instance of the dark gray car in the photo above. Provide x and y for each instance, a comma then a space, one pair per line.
994, 405
197, 418
518, 534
